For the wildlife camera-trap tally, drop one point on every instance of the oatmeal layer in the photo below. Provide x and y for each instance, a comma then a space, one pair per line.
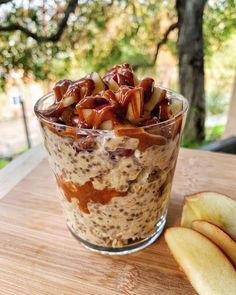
114, 163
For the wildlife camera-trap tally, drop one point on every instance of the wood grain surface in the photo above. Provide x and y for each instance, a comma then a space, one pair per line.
38, 256
19, 168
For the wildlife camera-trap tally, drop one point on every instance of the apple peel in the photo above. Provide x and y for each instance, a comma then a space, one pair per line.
214, 233
213, 207
207, 268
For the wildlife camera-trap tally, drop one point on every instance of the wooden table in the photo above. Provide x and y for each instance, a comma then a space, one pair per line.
38, 256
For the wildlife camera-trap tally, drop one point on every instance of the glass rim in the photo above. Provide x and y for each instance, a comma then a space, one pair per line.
159, 124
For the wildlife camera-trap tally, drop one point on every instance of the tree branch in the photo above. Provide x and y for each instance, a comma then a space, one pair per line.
158, 47
164, 40
4, 1
52, 38
110, 3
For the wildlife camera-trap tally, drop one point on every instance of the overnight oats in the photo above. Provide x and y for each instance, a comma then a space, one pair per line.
113, 142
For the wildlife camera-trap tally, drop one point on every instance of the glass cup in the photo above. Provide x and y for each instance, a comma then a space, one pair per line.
114, 187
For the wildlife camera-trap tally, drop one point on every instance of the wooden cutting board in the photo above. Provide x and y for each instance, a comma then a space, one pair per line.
38, 256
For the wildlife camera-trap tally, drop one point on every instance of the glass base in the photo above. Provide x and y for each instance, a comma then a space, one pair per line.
126, 249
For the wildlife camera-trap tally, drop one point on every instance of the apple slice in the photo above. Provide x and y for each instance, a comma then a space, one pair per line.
106, 125
207, 268
92, 118
86, 113
210, 206
175, 106
56, 109
75, 120
99, 84
135, 104
188, 216
157, 96
148, 85
60, 88
112, 85
217, 236
169, 108
67, 101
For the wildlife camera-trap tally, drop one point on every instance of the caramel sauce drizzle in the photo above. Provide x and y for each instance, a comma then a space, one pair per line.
145, 139
91, 110
128, 95
60, 88
66, 88
121, 74
80, 89
87, 193
147, 84
102, 108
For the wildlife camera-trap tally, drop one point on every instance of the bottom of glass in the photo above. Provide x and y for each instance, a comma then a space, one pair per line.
126, 249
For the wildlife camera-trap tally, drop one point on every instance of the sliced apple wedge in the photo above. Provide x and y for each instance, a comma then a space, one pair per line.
207, 268
217, 236
67, 101
169, 108
57, 109
188, 215
60, 88
112, 85
86, 113
148, 86
210, 206
99, 84
157, 96
175, 107
135, 105
106, 125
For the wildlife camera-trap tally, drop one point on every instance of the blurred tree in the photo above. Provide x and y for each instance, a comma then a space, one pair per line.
46, 37
191, 64
218, 24
28, 43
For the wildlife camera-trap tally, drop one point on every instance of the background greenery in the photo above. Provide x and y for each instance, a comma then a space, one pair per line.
102, 33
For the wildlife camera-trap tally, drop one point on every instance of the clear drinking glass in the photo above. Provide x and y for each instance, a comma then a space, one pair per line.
114, 194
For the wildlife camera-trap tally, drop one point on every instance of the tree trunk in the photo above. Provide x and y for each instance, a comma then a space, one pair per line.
191, 65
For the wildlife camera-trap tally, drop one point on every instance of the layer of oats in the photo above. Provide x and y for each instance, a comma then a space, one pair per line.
145, 176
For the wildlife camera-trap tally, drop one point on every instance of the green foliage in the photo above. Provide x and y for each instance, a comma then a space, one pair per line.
220, 71
215, 132
98, 35
194, 144
103, 33
212, 133
18, 51
216, 103
3, 163
43, 60
219, 24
